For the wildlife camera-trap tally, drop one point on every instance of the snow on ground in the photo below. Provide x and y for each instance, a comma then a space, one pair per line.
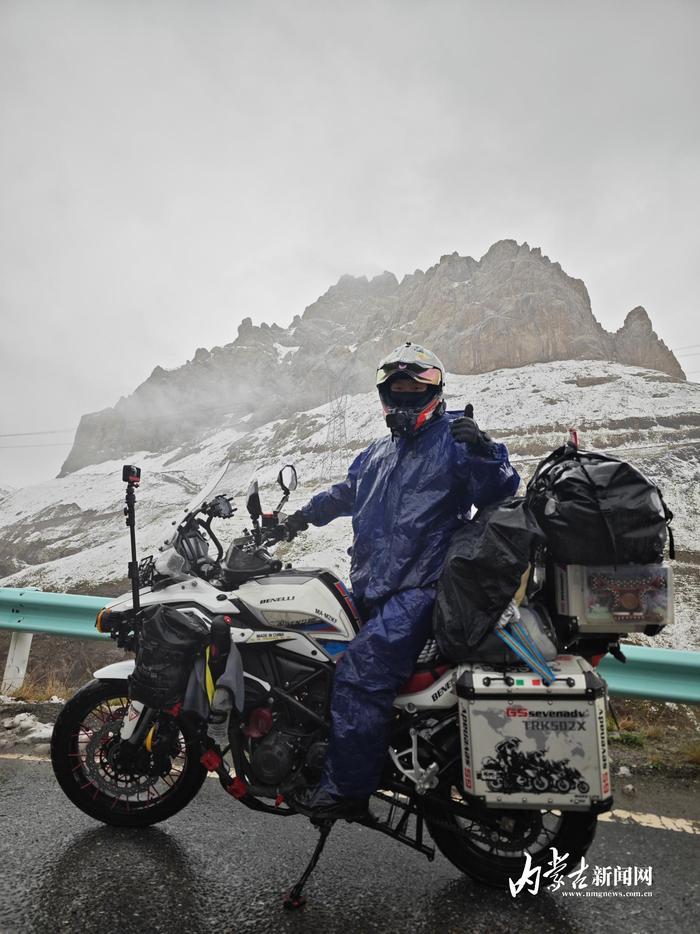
284, 351
637, 414
25, 730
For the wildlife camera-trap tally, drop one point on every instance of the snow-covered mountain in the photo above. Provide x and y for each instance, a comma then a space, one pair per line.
69, 533
510, 308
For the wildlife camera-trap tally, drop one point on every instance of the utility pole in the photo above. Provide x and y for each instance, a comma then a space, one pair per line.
334, 459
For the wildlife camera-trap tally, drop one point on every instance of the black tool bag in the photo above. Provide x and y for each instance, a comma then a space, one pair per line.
168, 643
483, 569
596, 509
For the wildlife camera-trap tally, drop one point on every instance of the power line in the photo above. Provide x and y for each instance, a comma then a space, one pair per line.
24, 434
210, 410
48, 444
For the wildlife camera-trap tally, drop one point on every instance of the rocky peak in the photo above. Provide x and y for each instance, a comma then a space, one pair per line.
503, 251
637, 344
512, 307
638, 320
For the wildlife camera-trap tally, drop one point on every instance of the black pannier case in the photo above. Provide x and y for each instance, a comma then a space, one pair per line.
168, 643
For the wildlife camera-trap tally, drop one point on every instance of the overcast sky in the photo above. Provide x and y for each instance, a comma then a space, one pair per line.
168, 168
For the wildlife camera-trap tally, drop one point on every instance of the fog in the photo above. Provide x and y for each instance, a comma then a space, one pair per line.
168, 168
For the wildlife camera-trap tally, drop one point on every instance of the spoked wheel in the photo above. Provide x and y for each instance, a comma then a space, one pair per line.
83, 753
493, 854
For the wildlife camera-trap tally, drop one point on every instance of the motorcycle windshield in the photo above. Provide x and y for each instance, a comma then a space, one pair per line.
221, 483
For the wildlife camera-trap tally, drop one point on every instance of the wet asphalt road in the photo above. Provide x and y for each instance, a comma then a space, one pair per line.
219, 867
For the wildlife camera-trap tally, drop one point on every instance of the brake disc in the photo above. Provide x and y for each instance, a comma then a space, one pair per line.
99, 766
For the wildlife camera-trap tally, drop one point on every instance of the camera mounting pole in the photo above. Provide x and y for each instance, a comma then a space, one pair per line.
131, 475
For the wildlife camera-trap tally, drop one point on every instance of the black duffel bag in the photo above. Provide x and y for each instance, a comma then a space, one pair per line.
483, 569
167, 646
597, 509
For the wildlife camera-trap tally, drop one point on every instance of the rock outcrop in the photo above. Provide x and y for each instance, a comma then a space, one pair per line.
513, 307
636, 343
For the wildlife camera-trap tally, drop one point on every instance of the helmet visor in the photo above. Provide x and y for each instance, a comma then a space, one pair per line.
430, 376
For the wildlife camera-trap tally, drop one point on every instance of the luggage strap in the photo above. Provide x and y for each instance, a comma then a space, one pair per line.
519, 642
668, 516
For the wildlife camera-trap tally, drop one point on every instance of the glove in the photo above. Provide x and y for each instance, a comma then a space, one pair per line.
295, 523
466, 431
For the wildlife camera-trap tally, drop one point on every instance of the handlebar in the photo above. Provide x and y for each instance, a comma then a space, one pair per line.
279, 533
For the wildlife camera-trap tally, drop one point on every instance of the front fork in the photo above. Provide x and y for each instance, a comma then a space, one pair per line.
136, 724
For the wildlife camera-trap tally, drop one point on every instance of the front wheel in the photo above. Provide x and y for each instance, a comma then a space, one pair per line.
83, 744
493, 854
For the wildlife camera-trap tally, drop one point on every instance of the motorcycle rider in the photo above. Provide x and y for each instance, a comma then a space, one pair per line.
407, 494
509, 752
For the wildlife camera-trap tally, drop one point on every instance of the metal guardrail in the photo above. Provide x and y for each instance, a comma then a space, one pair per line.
58, 614
26, 611
661, 674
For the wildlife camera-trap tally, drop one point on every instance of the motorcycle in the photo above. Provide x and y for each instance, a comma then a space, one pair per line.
564, 777
129, 764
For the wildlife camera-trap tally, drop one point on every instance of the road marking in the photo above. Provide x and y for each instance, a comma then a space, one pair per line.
616, 816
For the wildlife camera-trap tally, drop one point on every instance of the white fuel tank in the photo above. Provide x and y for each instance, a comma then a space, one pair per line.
314, 602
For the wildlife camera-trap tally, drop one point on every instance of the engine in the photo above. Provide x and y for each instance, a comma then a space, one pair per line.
276, 756
284, 727
282, 742
273, 757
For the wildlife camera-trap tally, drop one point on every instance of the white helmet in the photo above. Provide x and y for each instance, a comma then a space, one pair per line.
406, 413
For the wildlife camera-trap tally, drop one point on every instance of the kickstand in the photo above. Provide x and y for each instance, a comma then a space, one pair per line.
295, 899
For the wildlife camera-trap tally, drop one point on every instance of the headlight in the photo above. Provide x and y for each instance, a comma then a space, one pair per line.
101, 624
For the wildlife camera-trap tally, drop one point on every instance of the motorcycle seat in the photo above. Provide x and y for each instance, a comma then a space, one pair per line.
422, 680
429, 667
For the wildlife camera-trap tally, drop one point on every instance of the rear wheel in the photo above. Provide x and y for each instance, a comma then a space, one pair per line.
495, 854
83, 745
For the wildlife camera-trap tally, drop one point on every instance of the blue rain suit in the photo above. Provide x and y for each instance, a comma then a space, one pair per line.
406, 498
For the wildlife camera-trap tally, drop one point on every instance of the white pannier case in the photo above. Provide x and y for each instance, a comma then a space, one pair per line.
607, 599
525, 745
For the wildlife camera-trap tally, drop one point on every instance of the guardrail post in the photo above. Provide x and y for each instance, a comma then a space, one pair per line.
17, 658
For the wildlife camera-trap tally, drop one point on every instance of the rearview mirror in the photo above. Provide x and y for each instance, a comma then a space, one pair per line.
287, 478
253, 501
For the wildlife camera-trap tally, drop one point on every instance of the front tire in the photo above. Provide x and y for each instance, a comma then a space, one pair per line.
85, 730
